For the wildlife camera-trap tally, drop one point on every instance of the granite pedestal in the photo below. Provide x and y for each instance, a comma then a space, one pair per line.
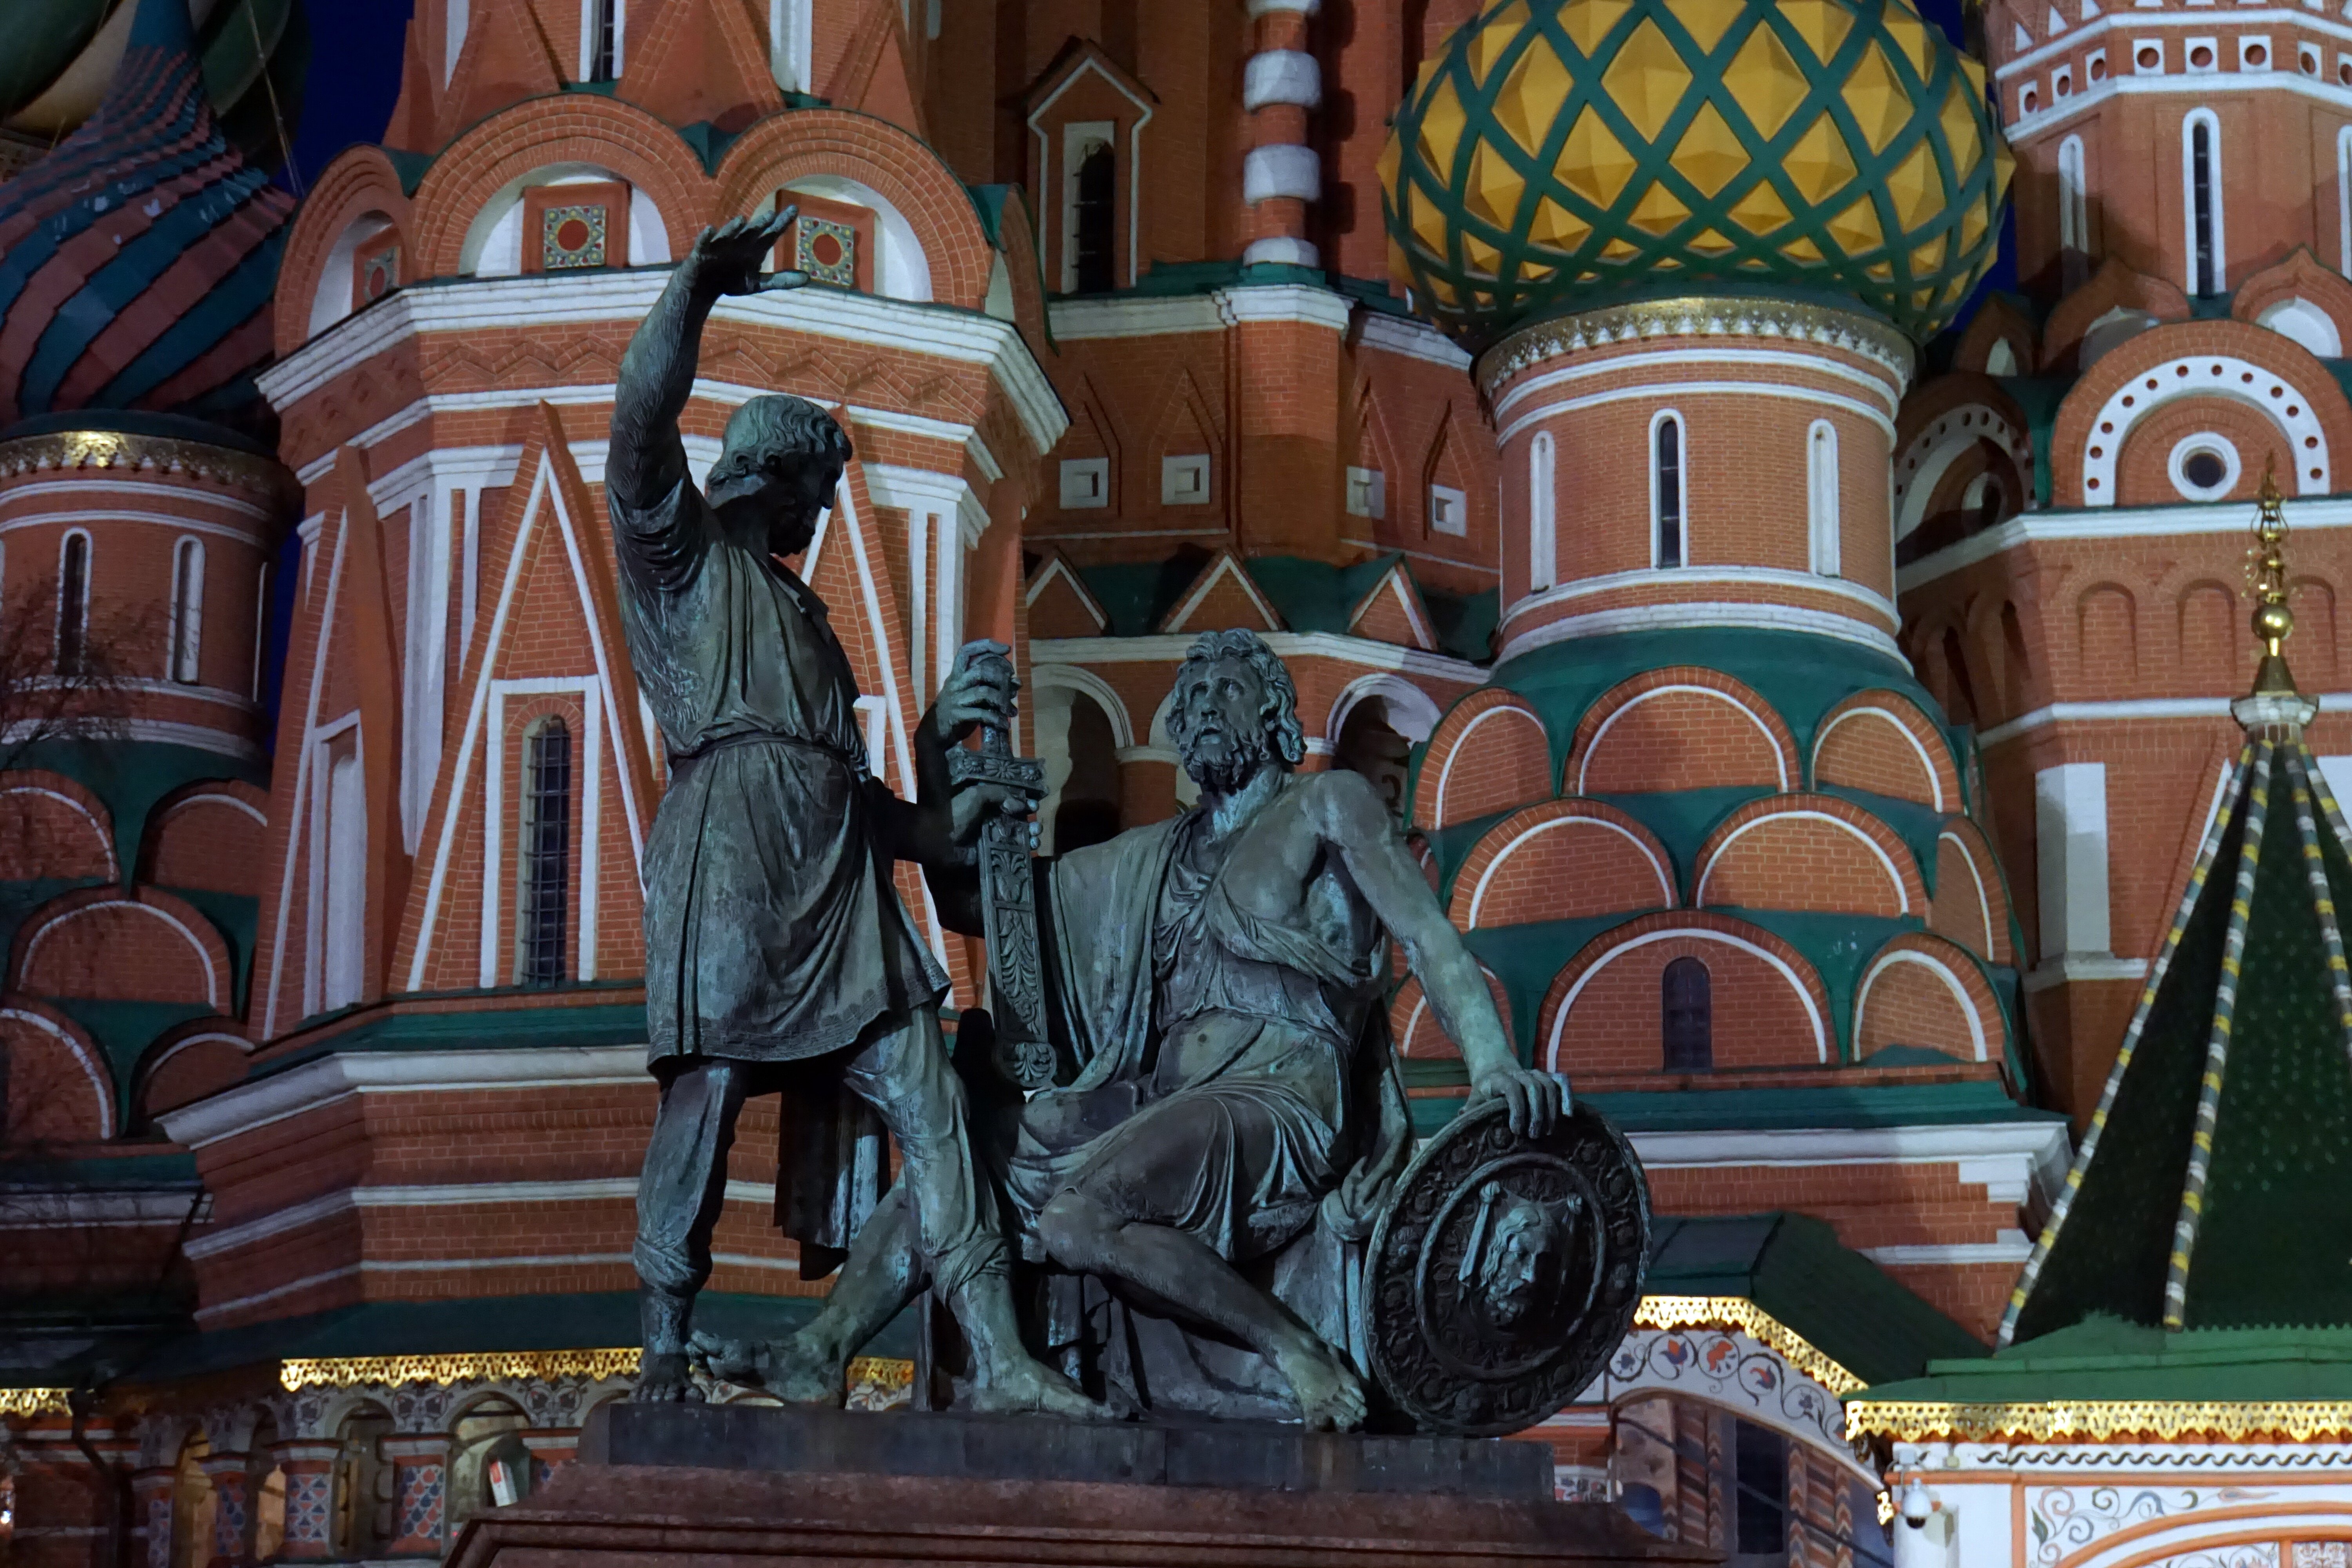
661, 1487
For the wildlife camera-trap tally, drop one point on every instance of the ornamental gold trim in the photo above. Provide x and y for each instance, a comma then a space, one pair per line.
1915, 1421
1739, 1313
349, 1372
33, 1401
121, 451
1722, 317
884, 1372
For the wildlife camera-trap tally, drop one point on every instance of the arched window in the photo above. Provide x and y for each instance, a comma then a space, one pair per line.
1686, 1010
1821, 496
546, 854
2073, 210
1094, 205
1666, 469
1543, 543
2202, 176
73, 603
187, 609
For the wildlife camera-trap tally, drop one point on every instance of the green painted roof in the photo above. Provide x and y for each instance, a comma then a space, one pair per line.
133, 776
1554, 155
2241, 1048
1733, 1108
1795, 1267
585, 1020
2104, 1358
1310, 596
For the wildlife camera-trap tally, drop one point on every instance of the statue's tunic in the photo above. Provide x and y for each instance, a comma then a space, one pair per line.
773, 931
1236, 1134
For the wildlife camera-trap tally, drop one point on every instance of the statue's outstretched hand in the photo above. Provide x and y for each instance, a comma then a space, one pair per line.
732, 257
1533, 1099
978, 691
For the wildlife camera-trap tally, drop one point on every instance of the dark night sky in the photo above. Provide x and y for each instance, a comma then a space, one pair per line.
355, 76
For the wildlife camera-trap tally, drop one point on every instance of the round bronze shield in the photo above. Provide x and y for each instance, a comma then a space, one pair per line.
1505, 1271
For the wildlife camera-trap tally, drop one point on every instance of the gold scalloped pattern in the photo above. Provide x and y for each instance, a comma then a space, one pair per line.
114, 449
33, 1401
2099, 1419
1739, 1313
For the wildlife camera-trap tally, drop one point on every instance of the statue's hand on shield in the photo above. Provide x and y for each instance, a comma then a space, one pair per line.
732, 257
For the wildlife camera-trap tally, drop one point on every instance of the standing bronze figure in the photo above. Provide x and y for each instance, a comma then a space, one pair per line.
778, 955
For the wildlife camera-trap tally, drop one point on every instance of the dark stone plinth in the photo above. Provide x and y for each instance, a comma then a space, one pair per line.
878, 1490
1015, 1448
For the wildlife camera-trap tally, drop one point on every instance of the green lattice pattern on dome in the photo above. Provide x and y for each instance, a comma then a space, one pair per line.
1557, 151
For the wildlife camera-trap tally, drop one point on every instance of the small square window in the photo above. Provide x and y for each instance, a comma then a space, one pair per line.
2094, 66
1449, 511
2254, 54
2204, 55
1085, 481
2148, 55
1184, 481
1368, 493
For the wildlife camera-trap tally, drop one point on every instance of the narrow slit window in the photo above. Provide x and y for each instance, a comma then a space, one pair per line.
603, 39
546, 854
1666, 488
1543, 548
2204, 211
187, 610
1687, 1005
73, 605
1096, 207
1821, 496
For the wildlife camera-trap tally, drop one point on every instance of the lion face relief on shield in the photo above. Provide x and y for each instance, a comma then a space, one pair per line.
1516, 1253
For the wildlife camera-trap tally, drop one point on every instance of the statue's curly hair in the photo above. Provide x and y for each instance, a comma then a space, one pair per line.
779, 425
1281, 709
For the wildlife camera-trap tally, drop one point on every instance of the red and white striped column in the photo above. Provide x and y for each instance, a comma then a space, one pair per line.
1281, 86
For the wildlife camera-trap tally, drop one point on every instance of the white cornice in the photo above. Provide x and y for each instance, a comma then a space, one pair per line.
1685, 616
530, 304
350, 1200
2130, 708
1169, 649
2012, 1160
1413, 337
247, 1106
907, 488
2137, 22
2176, 84
1147, 316
2088, 523
111, 481
1683, 576
41, 1208
1297, 302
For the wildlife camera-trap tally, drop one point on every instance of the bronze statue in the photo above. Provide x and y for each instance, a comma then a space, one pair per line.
1221, 979
778, 956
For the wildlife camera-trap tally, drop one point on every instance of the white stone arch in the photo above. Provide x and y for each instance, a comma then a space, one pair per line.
2276, 398
101, 1082
1411, 712
67, 917
1942, 971
2300, 322
1921, 466
493, 246
98, 829
1045, 677
901, 270
332, 300
1694, 932
1877, 851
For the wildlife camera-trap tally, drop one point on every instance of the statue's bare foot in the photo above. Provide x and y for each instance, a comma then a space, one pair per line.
798, 1373
1024, 1387
1330, 1396
663, 1380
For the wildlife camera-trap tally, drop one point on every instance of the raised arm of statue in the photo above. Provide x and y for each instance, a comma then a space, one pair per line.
1356, 822
648, 458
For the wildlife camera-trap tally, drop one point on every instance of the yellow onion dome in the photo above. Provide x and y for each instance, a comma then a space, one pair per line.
1558, 154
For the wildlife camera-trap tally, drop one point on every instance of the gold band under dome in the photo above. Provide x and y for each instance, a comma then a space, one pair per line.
1790, 320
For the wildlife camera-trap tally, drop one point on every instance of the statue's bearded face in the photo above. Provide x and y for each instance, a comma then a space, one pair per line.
775, 501
1219, 724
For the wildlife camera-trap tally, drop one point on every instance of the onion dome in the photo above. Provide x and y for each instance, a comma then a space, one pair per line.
137, 260
1554, 154
61, 54
2210, 1190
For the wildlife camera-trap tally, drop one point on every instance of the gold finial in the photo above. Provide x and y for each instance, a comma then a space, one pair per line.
2266, 575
